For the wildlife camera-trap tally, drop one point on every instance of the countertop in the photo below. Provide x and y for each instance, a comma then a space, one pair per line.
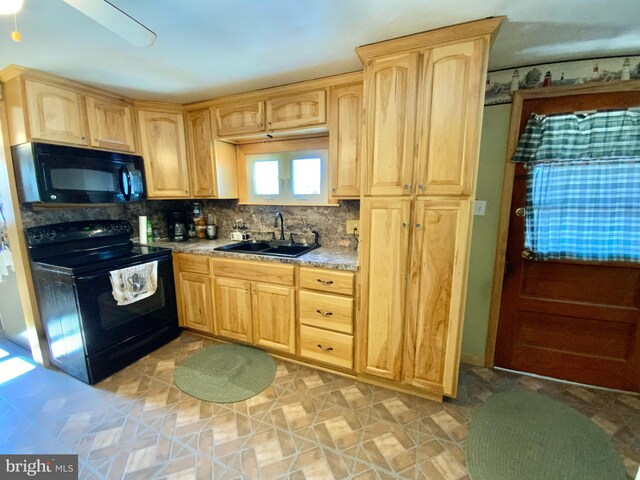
324, 257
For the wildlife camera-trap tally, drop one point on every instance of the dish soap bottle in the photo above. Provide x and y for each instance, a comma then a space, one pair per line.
149, 231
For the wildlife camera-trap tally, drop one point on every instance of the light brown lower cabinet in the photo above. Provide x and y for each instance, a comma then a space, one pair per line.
233, 309
256, 313
412, 308
195, 301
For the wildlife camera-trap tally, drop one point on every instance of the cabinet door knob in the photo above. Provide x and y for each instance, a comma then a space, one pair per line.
324, 314
333, 189
325, 282
420, 187
326, 349
527, 254
404, 225
521, 212
406, 186
418, 226
246, 290
253, 291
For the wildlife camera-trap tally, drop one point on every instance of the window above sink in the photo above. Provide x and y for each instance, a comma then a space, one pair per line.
287, 172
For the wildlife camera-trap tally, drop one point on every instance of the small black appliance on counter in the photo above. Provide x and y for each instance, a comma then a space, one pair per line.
177, 226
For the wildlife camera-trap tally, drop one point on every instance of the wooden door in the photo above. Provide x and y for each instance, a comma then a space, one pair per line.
195, 301
390, 103
274, 316
437, 289
345, 127
385, 250
449, 117
577, 321
201, 162
55, 113
298, 110
233, 309
165, 154
110, 124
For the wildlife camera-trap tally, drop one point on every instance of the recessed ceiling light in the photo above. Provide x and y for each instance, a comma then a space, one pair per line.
10, 7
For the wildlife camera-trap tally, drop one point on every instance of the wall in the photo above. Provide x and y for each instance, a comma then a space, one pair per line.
493, 148
329, 221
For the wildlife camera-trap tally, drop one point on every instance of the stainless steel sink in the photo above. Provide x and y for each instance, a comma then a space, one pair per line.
274, 248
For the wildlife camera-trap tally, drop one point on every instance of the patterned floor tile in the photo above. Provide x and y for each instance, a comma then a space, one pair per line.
308, 424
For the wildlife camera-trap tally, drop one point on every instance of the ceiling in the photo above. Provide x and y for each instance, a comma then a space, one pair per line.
209, 48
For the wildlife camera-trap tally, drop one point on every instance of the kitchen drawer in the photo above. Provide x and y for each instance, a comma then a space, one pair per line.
325, 346
192, 263
254, 271
331, 281
326, 311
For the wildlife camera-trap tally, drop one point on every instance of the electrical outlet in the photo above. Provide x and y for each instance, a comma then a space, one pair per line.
351, 225
480, 208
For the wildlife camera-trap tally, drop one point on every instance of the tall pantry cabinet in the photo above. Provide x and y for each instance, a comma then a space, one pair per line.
423, 100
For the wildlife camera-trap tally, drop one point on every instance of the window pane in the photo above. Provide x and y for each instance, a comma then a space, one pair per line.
586, 211
265, 178
307, 176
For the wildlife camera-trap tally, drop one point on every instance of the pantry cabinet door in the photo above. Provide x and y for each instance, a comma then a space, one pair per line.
450, 118
437, 294
390, 103
195, 301
55, 113
110, 124
274, 316
345, 129
385, 246
233, 309
165, 154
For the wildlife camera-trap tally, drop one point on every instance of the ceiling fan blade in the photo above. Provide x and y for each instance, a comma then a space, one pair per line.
116, 20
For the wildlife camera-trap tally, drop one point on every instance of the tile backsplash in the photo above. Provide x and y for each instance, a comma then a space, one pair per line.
329, 221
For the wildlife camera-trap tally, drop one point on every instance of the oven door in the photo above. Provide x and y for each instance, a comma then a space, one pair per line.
105, 323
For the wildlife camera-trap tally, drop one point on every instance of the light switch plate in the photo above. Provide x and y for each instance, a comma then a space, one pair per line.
480, 208
351, 224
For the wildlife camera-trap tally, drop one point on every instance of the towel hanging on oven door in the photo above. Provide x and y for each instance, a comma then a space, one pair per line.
133, 284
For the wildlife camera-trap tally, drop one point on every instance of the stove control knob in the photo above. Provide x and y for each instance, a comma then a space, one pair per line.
109, 226
126, 226
37, 235
50, 233
117, 226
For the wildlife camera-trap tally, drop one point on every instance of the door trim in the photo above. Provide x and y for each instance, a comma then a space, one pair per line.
519, 97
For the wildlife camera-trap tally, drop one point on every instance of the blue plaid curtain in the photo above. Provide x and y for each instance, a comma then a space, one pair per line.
583, 186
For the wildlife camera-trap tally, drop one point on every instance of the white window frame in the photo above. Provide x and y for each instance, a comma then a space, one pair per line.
284, 152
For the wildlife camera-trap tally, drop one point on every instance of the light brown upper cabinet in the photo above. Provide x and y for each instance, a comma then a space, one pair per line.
385, 250
54, 113
212, 163
297, 110
390, 99
439, 105
436, 286
165, 154
239, 119
345, 126
110, 124
448, 118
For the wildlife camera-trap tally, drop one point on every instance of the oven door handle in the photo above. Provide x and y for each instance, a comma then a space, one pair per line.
124, 173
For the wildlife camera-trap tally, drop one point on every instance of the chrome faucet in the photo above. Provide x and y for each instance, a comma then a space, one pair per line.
275, 224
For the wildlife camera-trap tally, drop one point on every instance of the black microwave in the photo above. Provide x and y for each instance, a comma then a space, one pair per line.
57, 174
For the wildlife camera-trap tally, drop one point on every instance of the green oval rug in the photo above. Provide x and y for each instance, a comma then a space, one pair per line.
225, 373
523, 435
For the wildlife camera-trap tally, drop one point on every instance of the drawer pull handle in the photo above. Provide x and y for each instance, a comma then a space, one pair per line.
325, 282
324, 314
326, 349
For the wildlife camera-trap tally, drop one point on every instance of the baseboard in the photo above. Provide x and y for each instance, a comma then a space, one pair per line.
472, 360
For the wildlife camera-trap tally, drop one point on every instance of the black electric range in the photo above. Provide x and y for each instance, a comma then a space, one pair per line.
91, 336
